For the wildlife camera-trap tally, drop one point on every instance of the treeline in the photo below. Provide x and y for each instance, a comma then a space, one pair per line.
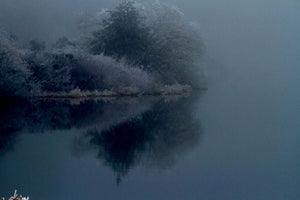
133, 49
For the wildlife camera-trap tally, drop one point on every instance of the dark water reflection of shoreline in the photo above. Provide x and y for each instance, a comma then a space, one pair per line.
122, 134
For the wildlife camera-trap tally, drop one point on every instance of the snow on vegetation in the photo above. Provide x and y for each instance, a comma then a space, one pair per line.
105, 72
14, 73
135, 49
175, 89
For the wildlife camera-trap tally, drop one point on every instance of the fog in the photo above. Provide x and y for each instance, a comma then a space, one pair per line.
46, 19
244, 34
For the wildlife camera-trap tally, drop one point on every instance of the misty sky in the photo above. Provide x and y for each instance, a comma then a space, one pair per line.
266, 24
237, 33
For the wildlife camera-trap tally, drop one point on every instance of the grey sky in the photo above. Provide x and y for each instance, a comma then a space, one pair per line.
236, 32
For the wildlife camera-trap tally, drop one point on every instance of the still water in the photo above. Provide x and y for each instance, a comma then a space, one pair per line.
224, 143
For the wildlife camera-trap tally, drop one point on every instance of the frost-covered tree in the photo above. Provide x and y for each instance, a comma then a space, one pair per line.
156, 36
60, 68
14, 74
54, 72
176, 43
52, 69
122, 34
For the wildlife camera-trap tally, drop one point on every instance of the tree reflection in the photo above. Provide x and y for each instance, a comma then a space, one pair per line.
122, 146
11, 118
154, 138
42, 115
151, 132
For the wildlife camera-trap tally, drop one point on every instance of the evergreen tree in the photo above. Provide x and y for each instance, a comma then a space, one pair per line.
123, 35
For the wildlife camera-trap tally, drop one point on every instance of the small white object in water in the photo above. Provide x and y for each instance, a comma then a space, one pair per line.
16, 197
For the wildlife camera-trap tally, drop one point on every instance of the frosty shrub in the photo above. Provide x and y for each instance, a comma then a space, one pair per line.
60, 66
67, 68
101, 72
51, 70
176, 43
14, 73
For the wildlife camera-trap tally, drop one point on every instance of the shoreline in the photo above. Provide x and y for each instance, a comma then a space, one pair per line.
168, 90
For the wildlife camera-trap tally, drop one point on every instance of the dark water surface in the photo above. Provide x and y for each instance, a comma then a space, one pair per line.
108, 148
211, 145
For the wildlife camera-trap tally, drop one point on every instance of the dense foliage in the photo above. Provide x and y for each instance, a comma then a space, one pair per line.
14, 72
122, 35
155, 36
136, 46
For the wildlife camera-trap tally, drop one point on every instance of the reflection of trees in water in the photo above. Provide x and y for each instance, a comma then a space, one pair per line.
155, 138
38, 116
11, 118
121, 146
126, 133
